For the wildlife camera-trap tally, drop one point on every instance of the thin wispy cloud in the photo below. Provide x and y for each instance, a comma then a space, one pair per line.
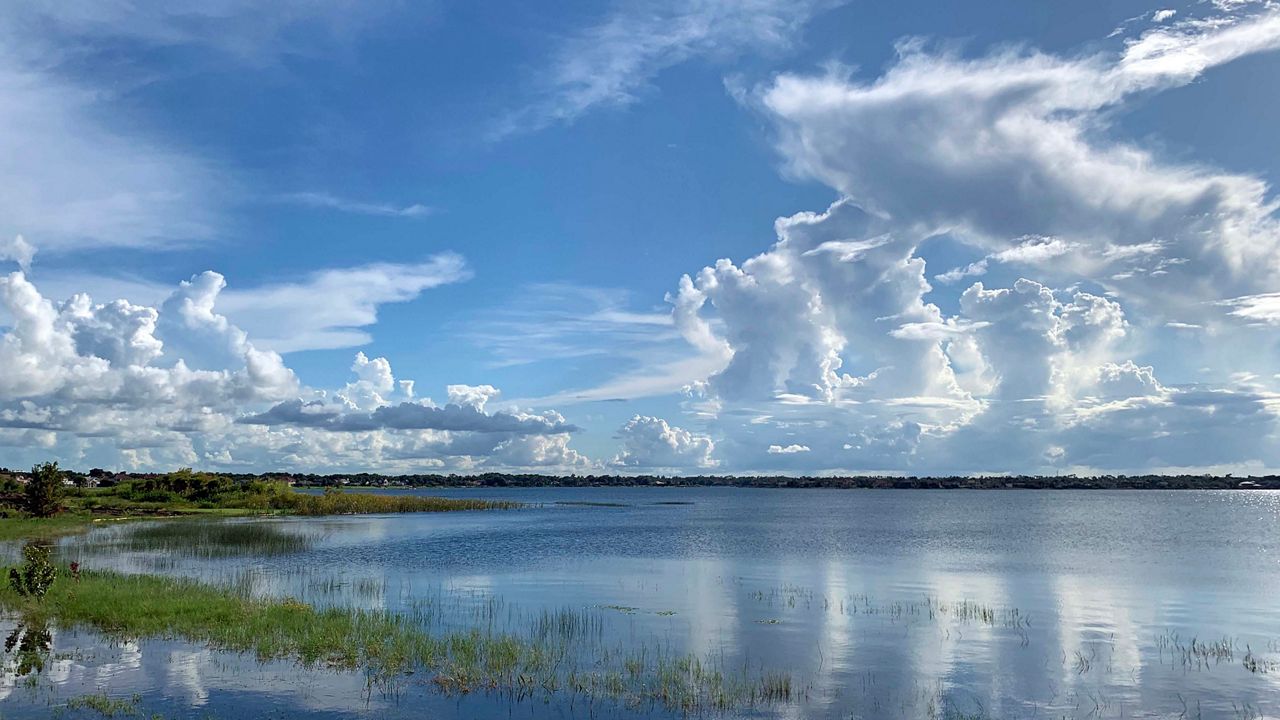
81, 167
557, 321
613, 62
357, 207
76, 175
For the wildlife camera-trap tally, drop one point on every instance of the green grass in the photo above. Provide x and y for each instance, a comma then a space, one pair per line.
22, 528
77, 520
560, 652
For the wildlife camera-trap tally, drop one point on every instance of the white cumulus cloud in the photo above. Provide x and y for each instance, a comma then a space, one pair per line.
649, 442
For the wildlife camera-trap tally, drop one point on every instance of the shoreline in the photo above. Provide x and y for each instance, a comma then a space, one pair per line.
1181, 482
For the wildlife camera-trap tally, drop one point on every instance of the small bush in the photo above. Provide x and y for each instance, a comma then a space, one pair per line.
36, 575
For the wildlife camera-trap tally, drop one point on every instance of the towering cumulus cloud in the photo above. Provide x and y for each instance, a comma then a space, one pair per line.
835, 347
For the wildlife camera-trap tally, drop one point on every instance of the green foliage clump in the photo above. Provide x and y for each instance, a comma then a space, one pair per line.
186, 490
182, 485
44, 490
36, 575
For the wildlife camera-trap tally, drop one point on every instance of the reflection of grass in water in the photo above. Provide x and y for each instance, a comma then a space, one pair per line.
214, 539
559, 651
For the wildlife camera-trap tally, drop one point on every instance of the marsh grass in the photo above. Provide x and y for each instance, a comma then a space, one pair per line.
931, 609
343, 503
185, 538
1200, 654
105, 705
559, 652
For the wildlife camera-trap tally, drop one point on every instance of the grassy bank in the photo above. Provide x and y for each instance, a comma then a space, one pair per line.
188, 492
22, 528
185, 493
561, 652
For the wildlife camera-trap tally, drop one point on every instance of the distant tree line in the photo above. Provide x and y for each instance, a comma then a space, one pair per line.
986, 482
198, 485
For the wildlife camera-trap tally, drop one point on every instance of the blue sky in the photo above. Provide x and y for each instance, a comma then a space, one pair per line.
1015, 237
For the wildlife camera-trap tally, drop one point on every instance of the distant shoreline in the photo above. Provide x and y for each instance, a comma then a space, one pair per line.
106, 478
503, 480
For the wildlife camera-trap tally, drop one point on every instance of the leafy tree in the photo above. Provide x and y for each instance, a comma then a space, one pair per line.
44, 490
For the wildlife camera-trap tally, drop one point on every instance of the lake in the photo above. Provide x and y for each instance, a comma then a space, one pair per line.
877, 603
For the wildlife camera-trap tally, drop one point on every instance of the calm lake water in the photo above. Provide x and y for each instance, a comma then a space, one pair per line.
881, 604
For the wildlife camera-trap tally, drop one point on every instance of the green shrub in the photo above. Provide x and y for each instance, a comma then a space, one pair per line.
44, 490
36, 575
156, 496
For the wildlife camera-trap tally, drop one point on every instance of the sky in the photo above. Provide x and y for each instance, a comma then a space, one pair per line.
801, 237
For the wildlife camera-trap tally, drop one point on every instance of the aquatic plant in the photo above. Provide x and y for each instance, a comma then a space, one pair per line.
216, 538
105, 705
